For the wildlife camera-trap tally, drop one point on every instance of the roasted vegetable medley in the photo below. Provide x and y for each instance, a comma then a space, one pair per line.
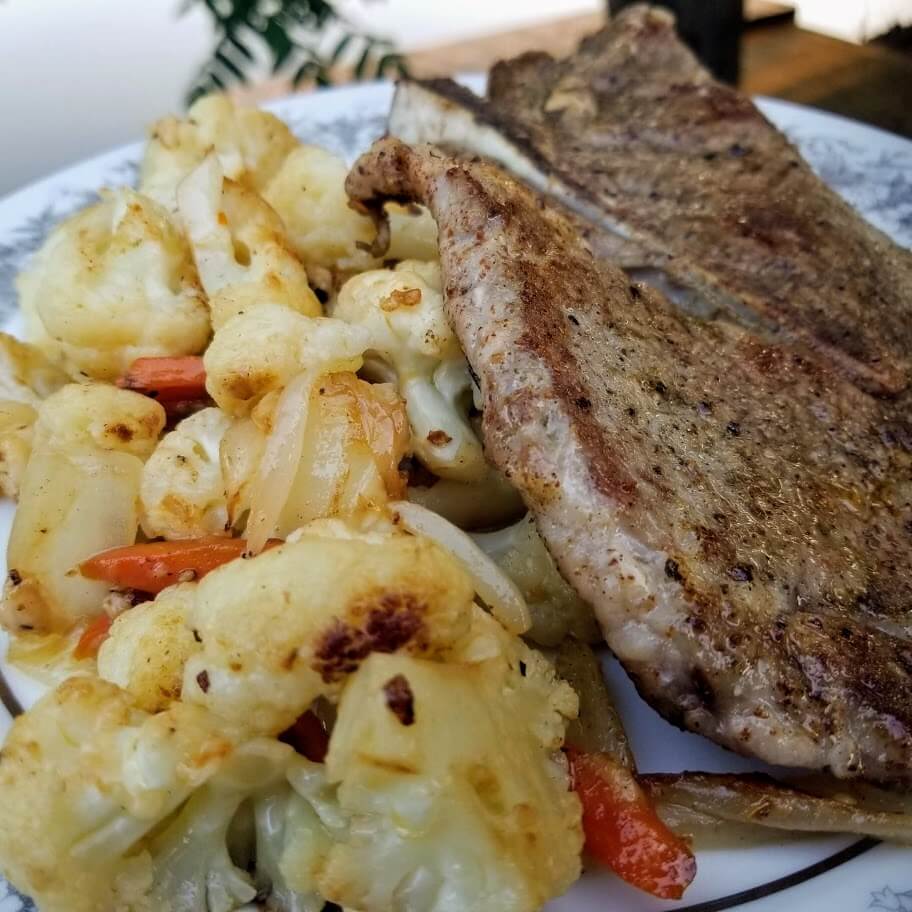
302, 644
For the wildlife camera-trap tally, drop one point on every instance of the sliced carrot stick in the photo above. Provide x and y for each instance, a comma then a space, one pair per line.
308, 737
92, 637
153, 566
623, 830
167, 379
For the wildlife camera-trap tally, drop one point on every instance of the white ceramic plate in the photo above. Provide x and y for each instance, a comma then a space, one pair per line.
873, 170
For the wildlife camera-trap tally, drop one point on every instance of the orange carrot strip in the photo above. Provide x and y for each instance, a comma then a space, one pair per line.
167, 379
153, 566
92, 637
623, 830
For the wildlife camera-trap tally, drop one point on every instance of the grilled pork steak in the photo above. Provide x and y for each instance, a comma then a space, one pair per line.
738, 513
684, 180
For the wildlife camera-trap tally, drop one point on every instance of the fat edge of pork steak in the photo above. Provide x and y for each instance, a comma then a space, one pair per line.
690, 187
730, 510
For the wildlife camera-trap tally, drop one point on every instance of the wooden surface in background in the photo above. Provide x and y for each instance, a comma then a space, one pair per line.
867, 82
557, 38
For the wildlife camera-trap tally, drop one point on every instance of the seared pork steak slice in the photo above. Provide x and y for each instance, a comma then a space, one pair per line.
737, 513
690, 184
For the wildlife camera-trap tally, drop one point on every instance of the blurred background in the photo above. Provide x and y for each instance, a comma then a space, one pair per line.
80, 76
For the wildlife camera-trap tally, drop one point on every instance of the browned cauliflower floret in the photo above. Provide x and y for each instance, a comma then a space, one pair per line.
452, 781
148, 647
85, 776
111, 284
288, 626
250, 145
183, 492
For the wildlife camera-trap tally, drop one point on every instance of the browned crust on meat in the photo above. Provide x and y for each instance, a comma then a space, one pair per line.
769, 498
707, 190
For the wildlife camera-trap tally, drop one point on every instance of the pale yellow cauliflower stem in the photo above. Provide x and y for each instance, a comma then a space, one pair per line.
79, 495
239, 247
555, 608
183, 492
27, 375
17, 421
412, 343
288, 626
250, 145
113, 283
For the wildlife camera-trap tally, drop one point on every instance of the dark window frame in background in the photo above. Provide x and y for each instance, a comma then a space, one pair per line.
712, 29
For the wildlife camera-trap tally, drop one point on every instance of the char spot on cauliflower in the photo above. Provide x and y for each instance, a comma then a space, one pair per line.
400, 699
121, 431
396, 620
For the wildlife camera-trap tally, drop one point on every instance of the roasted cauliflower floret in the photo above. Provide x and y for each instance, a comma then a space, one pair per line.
79, 495
183, 492
85, 776
441, 816
193, 859
250, 144
102, 417
283, 628
111, 284
240, 247
412, 343
262, 351
148, 647
557, 611
309, 194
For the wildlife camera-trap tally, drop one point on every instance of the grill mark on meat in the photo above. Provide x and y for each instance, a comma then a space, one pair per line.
727, 582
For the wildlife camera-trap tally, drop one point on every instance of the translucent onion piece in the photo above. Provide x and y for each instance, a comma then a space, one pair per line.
761, 801
279, 465
497, 590
240, 453
199, 199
